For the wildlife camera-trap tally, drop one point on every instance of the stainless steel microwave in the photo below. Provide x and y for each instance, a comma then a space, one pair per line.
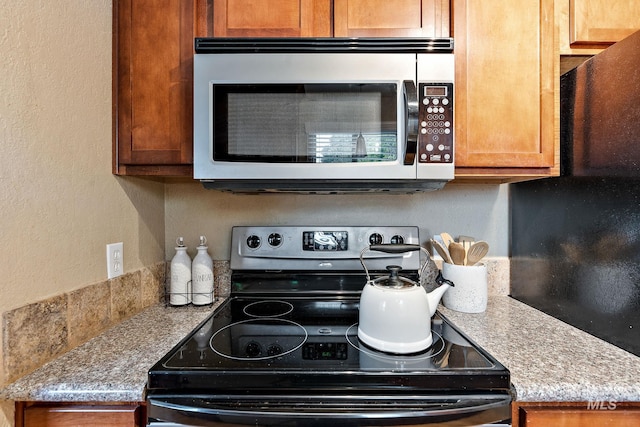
324, 115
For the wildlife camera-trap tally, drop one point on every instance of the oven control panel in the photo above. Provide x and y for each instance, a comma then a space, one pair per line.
325, 240
319, 247
325, 351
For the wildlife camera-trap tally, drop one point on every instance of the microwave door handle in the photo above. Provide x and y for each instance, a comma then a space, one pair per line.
411, 121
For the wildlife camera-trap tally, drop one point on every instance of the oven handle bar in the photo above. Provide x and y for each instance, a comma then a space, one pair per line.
206, 412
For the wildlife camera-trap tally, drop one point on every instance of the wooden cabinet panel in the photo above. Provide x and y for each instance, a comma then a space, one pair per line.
75, 415
272, 18
562, 414
602, 22
506, 72
391, 18
152, 94
505, 82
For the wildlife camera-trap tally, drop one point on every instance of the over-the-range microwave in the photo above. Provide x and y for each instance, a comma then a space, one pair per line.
326, 115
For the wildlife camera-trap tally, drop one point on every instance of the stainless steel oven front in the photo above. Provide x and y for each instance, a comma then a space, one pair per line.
323, 111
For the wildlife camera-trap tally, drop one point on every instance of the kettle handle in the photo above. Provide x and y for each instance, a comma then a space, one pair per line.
394, 248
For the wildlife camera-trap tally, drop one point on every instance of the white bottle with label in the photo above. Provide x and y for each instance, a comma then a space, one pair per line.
180, 287
202, 275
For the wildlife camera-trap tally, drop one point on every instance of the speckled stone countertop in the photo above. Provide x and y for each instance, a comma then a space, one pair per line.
111, 367
548, 359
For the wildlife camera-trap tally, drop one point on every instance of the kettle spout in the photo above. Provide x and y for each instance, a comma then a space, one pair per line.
435, 295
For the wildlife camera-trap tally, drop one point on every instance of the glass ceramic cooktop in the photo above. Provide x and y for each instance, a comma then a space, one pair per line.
309, 334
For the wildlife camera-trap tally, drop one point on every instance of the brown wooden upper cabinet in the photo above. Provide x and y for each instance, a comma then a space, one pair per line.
602, 22
505, 75
586, 27
505, 89
152, 87
327, 18
391, 18
272, 18
153, 60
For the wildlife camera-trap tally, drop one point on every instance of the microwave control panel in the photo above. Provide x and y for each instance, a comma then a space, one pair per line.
435, 122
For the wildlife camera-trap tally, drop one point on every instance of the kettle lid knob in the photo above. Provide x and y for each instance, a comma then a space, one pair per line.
394, 279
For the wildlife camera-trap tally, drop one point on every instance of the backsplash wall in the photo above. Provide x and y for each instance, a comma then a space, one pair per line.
576, 253
476, 210
41, 331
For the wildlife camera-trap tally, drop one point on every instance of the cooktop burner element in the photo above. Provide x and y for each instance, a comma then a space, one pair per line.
268, 308
258, 339
284, 349
415, 360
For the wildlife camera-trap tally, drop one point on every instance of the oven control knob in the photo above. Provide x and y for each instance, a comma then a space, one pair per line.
253, 241
275, 239
375, 239
397, 240
253, 349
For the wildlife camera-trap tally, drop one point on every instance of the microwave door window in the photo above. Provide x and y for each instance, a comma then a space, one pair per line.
259, 126
312, 123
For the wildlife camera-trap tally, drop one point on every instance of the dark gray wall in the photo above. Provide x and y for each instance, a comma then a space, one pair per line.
575, 248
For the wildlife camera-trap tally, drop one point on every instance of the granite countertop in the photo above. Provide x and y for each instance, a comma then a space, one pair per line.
113, 366
548, 359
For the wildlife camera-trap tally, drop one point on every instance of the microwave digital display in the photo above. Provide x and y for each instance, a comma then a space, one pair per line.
435, 91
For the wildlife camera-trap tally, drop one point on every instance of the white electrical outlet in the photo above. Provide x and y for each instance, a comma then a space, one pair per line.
115, 256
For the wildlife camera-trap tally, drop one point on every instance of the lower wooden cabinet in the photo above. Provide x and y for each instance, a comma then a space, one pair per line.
576, 414
62, 414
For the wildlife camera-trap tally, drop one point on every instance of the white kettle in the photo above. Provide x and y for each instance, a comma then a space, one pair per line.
395, 312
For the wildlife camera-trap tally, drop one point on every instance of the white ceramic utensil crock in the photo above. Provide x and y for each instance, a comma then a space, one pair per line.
470, 293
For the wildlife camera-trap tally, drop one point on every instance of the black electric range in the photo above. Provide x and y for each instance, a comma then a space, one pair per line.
283, 349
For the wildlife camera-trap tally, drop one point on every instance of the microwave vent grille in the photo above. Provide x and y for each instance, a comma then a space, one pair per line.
323, 187
323, 45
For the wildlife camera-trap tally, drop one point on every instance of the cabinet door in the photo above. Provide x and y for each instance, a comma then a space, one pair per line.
72, 415
152, 94
391, 18
608, 414
272, 18
602, 22
505, 82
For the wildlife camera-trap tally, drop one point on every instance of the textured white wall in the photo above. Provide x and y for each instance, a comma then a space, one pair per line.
59, 203
475, 210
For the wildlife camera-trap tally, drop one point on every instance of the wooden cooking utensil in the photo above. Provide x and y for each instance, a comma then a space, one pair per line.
446, 237
476, 252
466, 241
457, 253
442, 251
